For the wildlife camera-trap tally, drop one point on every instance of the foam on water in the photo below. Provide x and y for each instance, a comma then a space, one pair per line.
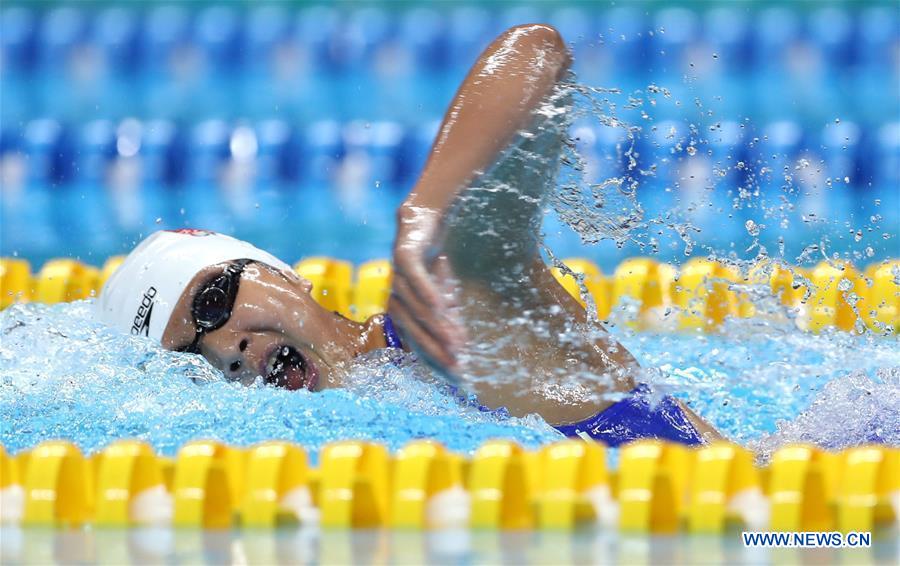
766, 384
65, 376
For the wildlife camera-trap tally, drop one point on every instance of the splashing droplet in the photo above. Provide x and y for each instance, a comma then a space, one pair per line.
752, 228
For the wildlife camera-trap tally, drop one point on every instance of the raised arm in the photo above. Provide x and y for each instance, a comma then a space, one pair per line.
498, 98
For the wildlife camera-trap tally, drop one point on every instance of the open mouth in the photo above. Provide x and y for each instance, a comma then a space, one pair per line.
288, 368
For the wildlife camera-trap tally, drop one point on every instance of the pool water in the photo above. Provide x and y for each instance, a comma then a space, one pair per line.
65, 376
738, 154
293, 546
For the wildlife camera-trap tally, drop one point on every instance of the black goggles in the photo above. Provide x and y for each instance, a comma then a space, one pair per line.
214, 302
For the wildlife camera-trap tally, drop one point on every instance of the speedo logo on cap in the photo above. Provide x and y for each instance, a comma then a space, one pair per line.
141, 323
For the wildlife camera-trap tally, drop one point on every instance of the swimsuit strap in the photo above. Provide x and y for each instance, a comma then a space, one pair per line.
390, 333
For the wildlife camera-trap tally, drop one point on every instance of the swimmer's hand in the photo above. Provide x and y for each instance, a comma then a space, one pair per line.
419, 302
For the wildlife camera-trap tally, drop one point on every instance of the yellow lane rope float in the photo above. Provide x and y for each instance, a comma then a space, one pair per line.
658, 487
698, 295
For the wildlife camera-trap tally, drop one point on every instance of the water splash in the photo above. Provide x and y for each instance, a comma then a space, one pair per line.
63, 375
760, 394
764, 383
872, 403
691, 186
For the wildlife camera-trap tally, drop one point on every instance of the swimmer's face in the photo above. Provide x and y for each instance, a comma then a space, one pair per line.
275, 330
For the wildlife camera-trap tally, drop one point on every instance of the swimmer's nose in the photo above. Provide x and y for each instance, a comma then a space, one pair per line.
238, 364
234, 369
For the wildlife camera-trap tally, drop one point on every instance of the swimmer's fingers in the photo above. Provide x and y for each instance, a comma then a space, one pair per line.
426, 312
432, 319
447, 287
442, 269
413, 283
423, 292
428, 344
419, 289
416, 232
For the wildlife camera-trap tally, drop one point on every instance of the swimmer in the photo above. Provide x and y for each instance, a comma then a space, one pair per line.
468, 276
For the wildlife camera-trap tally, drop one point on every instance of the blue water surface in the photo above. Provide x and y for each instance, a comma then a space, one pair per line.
66, 376
763, 384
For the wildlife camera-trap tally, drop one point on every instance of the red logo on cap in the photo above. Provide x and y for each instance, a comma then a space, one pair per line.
192, 232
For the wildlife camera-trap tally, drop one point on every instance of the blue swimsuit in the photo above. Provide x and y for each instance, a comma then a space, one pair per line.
636, 417
630, 419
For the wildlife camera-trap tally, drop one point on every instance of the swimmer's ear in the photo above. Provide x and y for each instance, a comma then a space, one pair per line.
294, 277
306, 284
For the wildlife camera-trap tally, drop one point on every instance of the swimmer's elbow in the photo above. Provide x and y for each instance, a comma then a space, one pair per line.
541, 34
543, 38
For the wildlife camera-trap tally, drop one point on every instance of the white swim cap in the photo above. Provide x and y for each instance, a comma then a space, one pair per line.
141, 294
